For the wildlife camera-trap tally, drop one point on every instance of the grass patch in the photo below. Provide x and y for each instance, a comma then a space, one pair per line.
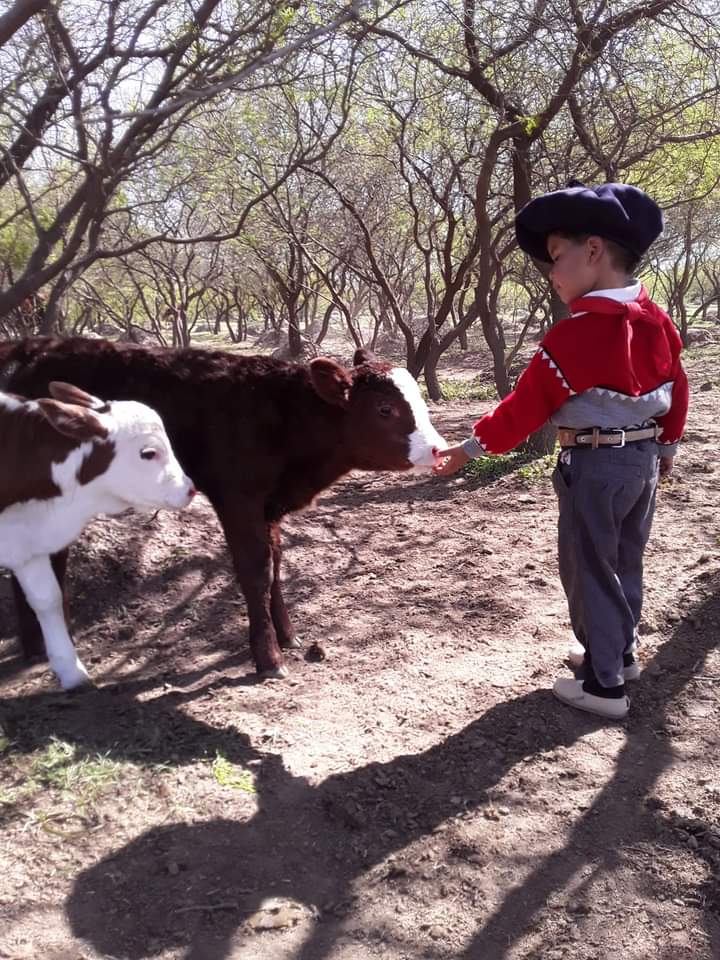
58, 774
528, 467
539, 469
456, 389
230, 775
475, 389
58, 766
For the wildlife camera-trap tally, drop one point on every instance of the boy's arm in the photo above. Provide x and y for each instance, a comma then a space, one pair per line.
673, 422
540, 391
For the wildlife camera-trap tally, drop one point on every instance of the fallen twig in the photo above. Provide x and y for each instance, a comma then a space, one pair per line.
225, 905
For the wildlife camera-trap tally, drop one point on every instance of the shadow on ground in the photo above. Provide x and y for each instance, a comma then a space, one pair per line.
312, 843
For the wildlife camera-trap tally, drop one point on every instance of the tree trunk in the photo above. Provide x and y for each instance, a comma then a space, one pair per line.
543, 440
430, 371
294, 335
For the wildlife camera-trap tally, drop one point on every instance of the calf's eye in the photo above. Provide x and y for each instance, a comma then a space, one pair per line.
148, 453
385, 409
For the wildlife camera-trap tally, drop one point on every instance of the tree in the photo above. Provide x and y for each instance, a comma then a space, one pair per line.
94, 93
535, 68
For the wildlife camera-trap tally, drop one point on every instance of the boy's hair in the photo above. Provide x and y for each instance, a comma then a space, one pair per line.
620, 257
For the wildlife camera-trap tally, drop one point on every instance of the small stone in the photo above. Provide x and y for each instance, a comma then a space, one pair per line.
705, 387
436, 933
316, 653
698, 710
173, 868
579, 908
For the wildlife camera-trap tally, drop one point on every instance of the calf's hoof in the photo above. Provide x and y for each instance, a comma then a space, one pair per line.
74, 680
274, 673
83, 687
291, 643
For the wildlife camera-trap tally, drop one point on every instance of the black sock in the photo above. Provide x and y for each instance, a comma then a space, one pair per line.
592, 685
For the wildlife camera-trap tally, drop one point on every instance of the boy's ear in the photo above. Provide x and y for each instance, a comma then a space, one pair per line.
596, 247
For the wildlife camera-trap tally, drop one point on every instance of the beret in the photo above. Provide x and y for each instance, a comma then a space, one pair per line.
614, 211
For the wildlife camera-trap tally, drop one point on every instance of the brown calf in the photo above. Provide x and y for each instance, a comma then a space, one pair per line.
259, 437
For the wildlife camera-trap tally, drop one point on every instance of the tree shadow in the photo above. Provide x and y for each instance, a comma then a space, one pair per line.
111, 591
311, 843
114, 722
598, 837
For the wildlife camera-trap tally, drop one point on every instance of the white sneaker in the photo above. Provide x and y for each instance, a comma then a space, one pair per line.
571, 692
576, 653
631, 667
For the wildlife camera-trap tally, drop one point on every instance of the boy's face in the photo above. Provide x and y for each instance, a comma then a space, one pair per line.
576, 265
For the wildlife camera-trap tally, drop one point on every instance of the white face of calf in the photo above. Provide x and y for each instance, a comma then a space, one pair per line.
387, 423
144, 472
424, 440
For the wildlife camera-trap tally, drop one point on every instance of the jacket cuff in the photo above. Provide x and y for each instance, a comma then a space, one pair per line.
473, 448
667, 449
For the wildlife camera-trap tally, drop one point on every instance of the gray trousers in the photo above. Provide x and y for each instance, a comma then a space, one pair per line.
607, 501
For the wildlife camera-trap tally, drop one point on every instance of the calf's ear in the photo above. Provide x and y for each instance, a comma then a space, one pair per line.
72, 420
362, 356
331, 381
68, 393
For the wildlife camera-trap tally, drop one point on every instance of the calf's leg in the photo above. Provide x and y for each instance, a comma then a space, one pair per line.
44, 595
287, 638
248, 537
29, 630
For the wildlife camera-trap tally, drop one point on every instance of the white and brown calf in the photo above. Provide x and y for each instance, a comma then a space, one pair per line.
261, 438
62, 462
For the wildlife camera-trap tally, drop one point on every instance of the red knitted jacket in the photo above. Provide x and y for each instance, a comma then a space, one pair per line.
630, 348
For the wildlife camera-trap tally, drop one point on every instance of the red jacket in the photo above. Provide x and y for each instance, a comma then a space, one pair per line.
629, 348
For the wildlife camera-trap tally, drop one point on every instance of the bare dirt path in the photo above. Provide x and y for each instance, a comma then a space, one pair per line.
418, 793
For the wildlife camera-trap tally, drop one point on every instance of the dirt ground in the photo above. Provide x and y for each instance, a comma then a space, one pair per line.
416, 794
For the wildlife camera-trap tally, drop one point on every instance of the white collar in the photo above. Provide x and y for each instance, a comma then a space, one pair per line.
619, 294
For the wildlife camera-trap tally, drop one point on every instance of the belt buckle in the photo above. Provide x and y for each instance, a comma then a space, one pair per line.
614, 430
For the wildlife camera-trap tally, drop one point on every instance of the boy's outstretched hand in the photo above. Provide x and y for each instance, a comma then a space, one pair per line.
449, 461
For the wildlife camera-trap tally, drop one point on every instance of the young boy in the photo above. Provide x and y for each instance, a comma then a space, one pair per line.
609, 376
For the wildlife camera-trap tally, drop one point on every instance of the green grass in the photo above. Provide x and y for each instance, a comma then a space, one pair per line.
529, 468
59, 775
58, 766
538, 470
230, 775
457, 389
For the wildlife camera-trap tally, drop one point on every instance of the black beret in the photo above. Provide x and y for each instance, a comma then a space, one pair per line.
614, 211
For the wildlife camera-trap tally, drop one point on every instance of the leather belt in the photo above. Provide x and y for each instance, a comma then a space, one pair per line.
595, 437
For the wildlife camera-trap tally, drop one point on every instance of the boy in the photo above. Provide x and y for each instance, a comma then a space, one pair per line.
609, 376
